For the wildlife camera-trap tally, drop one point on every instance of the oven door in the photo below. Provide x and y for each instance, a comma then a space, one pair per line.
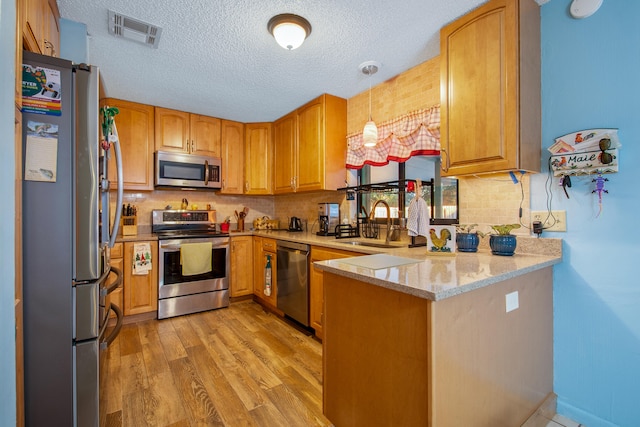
171, 281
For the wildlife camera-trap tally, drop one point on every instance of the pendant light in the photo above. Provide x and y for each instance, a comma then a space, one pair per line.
289, 30
370, 132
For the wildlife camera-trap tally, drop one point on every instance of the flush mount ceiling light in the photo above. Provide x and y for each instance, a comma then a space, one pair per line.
289, 30
370, 132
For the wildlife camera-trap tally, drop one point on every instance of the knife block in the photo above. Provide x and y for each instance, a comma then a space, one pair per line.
129, 225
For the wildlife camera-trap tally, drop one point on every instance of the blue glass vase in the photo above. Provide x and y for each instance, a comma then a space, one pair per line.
504, 245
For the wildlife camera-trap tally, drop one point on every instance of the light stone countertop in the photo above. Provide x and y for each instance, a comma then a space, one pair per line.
433, 277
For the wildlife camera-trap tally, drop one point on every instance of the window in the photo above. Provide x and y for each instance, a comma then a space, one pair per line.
441, 194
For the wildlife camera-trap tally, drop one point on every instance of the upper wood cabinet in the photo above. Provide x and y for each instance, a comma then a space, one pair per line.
285, 132
241, 277
490, 89
135, 131
232, 143
187, 133
40, 26
18, 53
258, 158
318, 136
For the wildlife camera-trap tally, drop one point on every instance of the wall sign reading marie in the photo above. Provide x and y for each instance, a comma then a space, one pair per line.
41, 90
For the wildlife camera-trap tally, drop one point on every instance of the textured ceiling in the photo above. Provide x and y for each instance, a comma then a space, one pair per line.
216, 57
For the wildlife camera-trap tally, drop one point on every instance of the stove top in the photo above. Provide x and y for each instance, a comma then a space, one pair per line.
184, 223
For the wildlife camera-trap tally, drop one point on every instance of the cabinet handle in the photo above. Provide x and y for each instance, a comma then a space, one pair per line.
193, 146
223, 184
443, 153
49, 45
246, 185
188, 147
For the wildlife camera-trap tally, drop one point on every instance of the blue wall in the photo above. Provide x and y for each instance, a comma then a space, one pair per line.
591, 79
73, 41
7, 215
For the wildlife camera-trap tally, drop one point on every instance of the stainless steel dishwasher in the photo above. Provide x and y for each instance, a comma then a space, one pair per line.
293, 280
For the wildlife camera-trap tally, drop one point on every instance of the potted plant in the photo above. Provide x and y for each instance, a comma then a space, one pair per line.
467, 237
502, 242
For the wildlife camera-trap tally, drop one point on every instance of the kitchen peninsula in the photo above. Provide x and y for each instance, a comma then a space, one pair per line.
437, 341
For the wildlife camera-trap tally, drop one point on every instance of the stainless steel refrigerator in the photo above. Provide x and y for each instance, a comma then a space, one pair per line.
66, 240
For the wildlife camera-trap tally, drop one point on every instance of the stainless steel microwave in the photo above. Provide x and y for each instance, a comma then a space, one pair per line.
187, 171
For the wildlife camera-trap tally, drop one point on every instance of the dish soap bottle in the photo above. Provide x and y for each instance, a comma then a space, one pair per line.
267, 277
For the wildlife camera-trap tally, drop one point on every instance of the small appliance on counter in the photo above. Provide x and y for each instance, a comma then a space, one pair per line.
328, 218
295, 224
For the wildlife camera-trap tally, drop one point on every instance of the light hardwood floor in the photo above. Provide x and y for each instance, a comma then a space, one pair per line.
237, 366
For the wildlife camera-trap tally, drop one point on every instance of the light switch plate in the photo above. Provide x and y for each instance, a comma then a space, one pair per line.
511, 301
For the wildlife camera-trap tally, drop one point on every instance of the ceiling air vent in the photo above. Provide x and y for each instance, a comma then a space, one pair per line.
133, 29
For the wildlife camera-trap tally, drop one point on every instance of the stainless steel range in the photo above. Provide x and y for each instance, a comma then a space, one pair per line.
193, 262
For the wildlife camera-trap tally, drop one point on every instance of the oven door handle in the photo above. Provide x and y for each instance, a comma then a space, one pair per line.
176, 247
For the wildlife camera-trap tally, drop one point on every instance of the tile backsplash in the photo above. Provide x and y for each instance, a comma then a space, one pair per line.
495, 199
484, 200
282, 207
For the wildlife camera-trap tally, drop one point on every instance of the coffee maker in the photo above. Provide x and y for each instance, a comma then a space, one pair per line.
328, 218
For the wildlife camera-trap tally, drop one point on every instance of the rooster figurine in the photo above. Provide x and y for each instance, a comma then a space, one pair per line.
440, 243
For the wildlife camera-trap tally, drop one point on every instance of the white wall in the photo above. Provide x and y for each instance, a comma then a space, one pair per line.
7, 214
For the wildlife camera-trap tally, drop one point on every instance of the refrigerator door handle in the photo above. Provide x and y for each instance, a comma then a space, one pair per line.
120, 181
116, 330
116, 283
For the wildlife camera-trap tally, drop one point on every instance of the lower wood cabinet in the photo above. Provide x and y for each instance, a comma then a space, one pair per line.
316, 284
140, 292
263, 249
241, 275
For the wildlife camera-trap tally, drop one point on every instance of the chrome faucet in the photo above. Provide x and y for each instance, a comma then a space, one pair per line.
372, 215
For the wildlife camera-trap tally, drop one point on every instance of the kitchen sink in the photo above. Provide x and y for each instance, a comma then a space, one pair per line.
370, 244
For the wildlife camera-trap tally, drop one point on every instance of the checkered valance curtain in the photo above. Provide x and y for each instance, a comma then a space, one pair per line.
416, 133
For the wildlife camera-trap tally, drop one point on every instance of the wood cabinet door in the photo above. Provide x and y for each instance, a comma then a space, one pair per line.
261, 248
258, 268
310, 146
232, 143
18, 266
135, 123
33, 25
205, 135
316, 284
140, 291
19, 24
241, 266
284, 154
51, 39
258, 158
479, 74
172, 130
273, 298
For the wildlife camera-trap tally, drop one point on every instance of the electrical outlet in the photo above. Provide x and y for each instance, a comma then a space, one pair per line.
511, 301
556, 221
